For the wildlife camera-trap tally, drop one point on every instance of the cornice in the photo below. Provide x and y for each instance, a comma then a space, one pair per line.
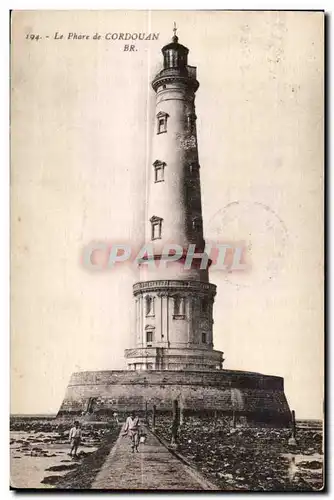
163, 79
170, 287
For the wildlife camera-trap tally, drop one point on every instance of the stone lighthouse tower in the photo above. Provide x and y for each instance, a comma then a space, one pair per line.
174, 305
172, 355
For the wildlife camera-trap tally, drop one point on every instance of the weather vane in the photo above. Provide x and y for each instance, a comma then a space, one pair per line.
175, 29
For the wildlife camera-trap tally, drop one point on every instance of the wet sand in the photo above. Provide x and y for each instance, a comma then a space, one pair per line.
39, 458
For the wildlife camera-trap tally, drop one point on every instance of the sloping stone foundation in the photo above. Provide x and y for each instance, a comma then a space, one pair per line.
251, 395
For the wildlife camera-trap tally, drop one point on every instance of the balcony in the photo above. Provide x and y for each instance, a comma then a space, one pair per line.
186, 74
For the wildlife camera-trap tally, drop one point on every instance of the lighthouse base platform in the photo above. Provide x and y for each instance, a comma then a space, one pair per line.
253, 396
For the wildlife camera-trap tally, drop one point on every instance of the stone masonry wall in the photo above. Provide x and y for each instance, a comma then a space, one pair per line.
224, 391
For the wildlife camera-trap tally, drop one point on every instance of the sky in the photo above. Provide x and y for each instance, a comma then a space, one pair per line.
81, 119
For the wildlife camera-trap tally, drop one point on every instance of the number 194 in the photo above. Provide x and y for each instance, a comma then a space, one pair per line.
31, 36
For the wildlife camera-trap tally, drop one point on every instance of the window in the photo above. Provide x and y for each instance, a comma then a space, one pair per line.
161, 125
193, 168
162, 122
159, 167
179, 308
197, 224
156, 233
149, 305
149, 337
203, 338
149, 366
171, 58
205, 305
156, 223
191, 118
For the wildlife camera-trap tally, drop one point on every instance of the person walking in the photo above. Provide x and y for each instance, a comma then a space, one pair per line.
75, 438
131, 429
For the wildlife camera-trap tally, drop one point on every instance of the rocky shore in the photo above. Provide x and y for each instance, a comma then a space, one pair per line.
249, 458
243, 458
40, 447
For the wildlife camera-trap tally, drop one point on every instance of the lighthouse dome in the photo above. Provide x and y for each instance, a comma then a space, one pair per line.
175, 66
175, 55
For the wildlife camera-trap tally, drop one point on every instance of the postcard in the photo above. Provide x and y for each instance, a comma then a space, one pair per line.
167, 250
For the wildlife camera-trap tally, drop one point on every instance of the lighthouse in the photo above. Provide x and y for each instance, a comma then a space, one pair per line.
171, 355
173, 327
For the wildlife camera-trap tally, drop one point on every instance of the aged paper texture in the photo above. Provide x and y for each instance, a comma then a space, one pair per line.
167, 184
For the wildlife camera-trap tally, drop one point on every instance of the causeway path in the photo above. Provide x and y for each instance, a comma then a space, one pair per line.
154, 467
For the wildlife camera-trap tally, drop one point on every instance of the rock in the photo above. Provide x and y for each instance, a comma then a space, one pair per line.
314, 464
51, 479
58, 468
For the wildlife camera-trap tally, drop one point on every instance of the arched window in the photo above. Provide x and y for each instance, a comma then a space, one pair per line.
179, 307
149, 305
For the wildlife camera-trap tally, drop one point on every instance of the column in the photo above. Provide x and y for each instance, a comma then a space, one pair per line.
137, 329
141, 319
158, 329
189, 317
164, 318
